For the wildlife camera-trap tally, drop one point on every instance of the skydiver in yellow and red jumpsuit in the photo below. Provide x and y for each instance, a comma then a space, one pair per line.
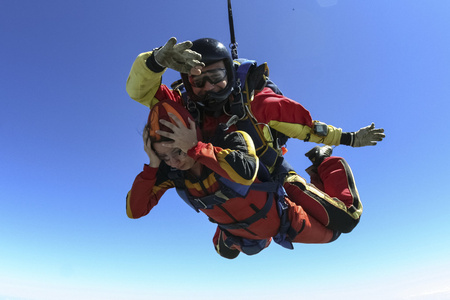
209, 78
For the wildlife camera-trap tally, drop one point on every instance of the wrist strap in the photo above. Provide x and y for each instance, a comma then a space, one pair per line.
153, 65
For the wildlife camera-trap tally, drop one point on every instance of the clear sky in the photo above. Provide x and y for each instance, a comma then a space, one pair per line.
71, 146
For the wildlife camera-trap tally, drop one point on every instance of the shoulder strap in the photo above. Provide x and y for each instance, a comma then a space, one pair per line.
177, 176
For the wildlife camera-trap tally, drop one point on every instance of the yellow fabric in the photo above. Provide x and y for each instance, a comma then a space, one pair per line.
129, 212
358, 207
142, 84
207, 183
302, 132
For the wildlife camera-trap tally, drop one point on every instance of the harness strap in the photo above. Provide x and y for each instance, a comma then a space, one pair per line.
266, 153
241, 108
237, 107
207, 202
252, 219
226, 192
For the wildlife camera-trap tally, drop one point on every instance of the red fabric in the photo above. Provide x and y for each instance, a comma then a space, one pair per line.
311, 230
160, 111
164, 92
267, 106
334, 182
143, 189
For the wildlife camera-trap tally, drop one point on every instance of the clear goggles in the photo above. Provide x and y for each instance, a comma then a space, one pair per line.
212, 76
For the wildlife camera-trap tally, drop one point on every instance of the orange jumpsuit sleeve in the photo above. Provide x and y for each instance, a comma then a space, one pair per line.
146, 191
234, 158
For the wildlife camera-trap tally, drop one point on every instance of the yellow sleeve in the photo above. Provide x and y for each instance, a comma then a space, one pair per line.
304, 132
142, 83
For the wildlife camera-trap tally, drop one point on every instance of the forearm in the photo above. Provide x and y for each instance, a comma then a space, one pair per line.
293, 120
333, 137
306, 133
143, 83
144, 193
236, 160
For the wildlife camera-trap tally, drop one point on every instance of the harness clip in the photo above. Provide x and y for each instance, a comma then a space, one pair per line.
233, 120
198, 200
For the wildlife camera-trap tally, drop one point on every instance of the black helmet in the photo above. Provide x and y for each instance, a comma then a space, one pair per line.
212, 51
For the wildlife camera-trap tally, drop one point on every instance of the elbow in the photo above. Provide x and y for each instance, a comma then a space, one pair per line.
250, 173
129, 210
130, 213
132, 92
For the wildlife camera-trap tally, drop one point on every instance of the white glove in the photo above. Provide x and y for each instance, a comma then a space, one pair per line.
178, 56
368, 136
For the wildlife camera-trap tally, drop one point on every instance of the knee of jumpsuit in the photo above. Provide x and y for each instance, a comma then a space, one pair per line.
310, 231
309, 198
338, 180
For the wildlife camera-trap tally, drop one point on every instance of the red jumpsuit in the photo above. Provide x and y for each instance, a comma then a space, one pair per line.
232, 158
334, 199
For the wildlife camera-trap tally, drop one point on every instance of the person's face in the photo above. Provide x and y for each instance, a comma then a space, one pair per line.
213, 79
174, 157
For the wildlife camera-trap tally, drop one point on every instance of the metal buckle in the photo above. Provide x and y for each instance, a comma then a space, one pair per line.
201, 202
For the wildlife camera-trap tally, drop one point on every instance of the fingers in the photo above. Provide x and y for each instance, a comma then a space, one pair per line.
195, 64
171, 126
177, 121
368, 127
166, 134
171, 43
174, 127
145, 135
378, 130
180, 64
376, 134
178, 56
377, 138
169, 145
197, 70
193, 56
183, 46
192, 124
183, 53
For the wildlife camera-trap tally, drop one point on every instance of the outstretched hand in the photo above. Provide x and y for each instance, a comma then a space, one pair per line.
179, 57
183, 138
155, 161
368, 136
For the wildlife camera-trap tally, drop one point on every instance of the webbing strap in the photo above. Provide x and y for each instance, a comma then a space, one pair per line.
252, 219
267, 154
226, 192
207, 202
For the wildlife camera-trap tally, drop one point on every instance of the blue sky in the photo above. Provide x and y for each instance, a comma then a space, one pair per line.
70, 147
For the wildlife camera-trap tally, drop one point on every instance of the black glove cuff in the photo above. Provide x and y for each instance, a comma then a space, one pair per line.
153, 65
347, 138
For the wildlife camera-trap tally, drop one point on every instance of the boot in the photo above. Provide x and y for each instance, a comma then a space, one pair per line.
317, 154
